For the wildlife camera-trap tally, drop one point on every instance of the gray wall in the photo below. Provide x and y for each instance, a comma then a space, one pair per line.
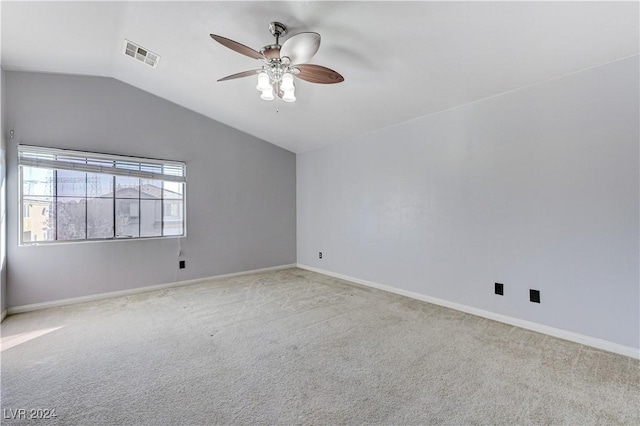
3, 208
537, 188
240, 190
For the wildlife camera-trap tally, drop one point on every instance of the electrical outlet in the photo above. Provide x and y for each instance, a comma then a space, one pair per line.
534, 296
319, 255
182, 264
499, 289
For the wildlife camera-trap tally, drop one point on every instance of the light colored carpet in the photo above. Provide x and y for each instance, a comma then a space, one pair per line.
295, 347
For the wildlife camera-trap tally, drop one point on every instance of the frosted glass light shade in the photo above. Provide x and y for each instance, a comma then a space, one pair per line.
263, 82
289, 96
287, 82
267, 94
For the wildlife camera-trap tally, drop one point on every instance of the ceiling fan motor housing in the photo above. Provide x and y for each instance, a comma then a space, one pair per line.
272, 51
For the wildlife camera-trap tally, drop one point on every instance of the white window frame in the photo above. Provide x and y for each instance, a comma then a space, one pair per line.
106, 164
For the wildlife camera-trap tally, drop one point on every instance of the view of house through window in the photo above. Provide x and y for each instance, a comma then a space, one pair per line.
127, 198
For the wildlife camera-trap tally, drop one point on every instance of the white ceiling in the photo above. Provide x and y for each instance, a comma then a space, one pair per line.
400, 60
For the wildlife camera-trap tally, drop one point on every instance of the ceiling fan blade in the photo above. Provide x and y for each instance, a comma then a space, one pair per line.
318, 74
240, 48
300, 47
240, 75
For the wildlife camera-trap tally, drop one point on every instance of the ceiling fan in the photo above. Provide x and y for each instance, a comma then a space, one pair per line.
282, 62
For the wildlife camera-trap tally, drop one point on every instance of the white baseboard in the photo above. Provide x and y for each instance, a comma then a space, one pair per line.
3, 315
544, 329
92, 297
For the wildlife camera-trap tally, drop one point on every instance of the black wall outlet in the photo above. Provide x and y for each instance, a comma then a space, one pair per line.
320, 255
182, 264
534, 296
499, 289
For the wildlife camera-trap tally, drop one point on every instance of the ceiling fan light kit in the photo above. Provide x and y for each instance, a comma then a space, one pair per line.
281, 62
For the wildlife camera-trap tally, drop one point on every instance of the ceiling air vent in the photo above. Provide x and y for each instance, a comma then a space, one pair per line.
141, 54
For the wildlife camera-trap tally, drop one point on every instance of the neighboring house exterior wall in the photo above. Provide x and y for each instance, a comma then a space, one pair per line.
36, 220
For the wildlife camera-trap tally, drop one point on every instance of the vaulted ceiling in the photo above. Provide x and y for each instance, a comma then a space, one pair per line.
400, 60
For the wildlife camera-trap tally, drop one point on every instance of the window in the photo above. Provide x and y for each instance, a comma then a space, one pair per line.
75, 196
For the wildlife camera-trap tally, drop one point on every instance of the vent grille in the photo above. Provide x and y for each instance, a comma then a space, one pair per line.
141, 54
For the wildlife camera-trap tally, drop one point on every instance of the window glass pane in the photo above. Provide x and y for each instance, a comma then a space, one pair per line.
38, 155
173, 169
127, 187
150, 218
71, 183
151, 168
128, 165
100, 218
70, 159
173, 190
127, 218
101, 162
71, 218
37, 181
99, 185
173, 215
150, 189
38, 222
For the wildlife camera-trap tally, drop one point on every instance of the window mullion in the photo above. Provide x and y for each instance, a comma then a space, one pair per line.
139, 208
162, 209
55, 201
114, 207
